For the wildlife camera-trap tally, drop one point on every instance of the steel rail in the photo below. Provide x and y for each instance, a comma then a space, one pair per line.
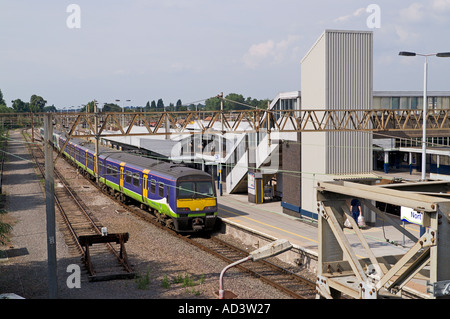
66, 219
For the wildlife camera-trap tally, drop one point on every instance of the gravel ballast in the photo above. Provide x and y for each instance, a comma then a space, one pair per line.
159, 259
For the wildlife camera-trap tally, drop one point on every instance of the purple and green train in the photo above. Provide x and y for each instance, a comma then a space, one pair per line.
181, 197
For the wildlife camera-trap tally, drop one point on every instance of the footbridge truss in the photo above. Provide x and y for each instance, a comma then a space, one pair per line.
238, 121
423, 270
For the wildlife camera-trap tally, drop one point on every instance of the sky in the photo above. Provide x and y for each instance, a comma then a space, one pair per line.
192, 50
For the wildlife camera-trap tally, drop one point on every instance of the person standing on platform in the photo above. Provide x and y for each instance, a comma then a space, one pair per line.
355, 206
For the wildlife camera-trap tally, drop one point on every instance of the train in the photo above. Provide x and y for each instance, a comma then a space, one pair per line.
181, 197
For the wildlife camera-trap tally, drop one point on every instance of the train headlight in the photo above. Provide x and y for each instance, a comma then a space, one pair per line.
183, 209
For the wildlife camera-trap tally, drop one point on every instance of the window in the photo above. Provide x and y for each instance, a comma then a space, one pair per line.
115, 172
153, 186
186, 189
128, 177
168, 192
198, 189
161, 189
395, 103
136, 179
90, 161
205, 189
108, 170
414, 102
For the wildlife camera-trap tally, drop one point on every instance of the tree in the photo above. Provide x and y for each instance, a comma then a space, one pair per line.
229, 105
212, 104
147, 107
5, 109
37, 103
20, 106
2, 101
160, 106
111, 107
89, 107
153, 106
51, 108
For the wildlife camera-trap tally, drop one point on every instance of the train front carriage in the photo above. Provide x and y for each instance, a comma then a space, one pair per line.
196, 202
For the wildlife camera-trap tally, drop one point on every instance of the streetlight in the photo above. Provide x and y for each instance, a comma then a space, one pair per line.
123, 110
277, 247
425, 101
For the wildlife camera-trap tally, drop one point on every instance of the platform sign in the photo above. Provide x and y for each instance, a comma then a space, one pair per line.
251, 182
411, 216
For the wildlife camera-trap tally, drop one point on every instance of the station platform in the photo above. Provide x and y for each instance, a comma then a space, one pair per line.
268, 219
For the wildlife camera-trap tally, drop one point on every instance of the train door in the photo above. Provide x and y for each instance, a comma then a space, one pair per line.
94, 169
121, 176
144, 188
145, 185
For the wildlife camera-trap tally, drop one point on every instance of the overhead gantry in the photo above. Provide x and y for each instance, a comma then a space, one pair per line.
340, 271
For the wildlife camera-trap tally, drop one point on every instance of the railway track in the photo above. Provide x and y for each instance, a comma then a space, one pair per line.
293, 285
104, 260
290, 283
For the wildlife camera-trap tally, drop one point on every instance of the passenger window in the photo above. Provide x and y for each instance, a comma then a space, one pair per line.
136, 179
153, 186
128, 177
114, 172
161, 189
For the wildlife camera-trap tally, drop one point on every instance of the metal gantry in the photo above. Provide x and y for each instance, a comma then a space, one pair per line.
237, 121
340, 271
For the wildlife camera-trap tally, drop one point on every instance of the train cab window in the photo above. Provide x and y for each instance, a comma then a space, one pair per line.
136, 179
186, 190
153, 186
161, 189
128, 177
205, 189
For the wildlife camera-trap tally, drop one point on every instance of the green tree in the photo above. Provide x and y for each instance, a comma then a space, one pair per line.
2, 101
5, 109
212, 104
37, 103
230, 99
20, 106
111, 107
153, 106
160, 106
50, 108
89, 107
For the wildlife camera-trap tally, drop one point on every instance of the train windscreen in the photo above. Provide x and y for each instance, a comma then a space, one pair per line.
195, 189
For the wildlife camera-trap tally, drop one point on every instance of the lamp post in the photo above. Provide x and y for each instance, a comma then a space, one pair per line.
425, 102
123, 112
277, 247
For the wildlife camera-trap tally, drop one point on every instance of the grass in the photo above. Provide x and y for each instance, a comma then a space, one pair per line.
143, 282
187, 281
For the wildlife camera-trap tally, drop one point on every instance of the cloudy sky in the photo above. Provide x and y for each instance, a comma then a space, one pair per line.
194, 49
